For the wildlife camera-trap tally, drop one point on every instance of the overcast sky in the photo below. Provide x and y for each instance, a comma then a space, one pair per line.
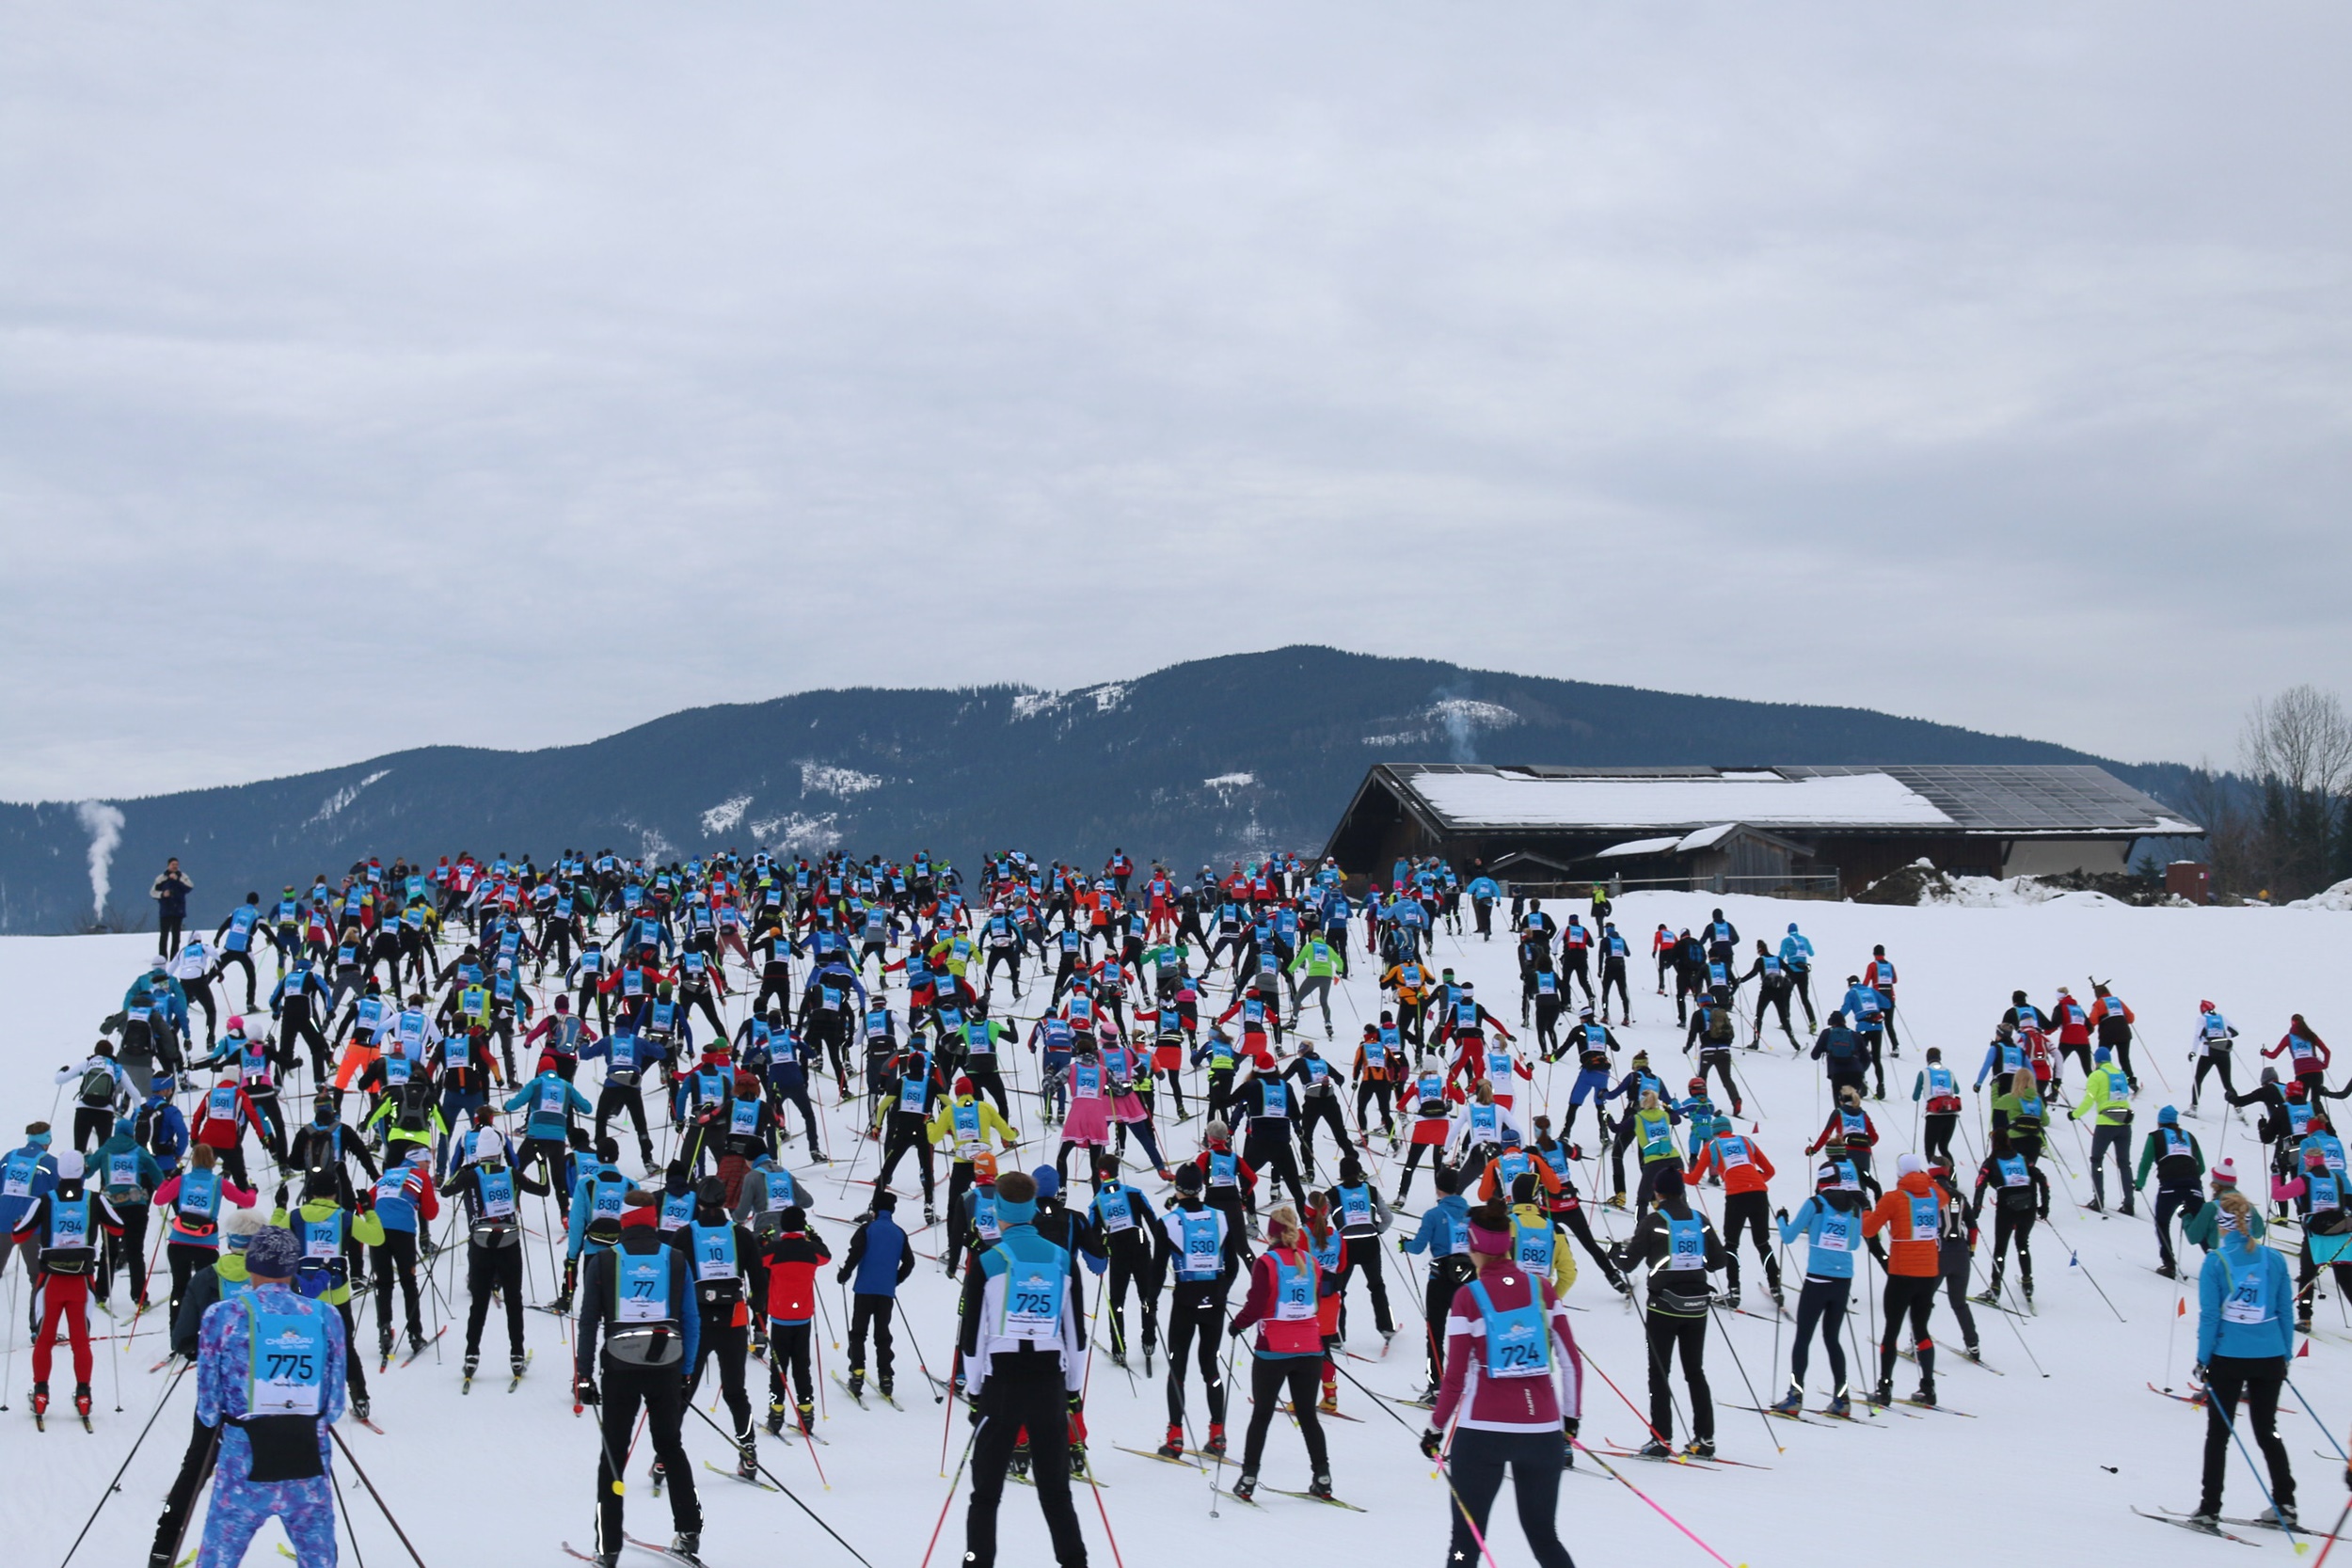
375, 376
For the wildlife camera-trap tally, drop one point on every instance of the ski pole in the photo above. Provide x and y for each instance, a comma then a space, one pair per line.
2334, 1534
788, 1491
2229, 1419
1677, 1524
2074, 1260
2323, 1426
116, 1486
954, 1483
8, 1360
1476, 1534
1777, 1446
1638, 1414
938, 1393
342, 1511
352, 1460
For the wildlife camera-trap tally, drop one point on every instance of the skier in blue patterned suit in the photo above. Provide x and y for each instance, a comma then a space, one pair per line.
270, 1376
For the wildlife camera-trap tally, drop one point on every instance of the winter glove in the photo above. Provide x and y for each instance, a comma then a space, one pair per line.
2201, 1372
1432, 1443
280, 1201
1781, 1214
584, 1390
363, 1200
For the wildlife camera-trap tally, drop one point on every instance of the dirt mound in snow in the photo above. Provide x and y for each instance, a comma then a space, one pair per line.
1921, 883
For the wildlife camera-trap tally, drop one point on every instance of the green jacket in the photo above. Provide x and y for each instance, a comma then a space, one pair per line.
2203, 1227
2109, 1096
361, 1231
1314, 957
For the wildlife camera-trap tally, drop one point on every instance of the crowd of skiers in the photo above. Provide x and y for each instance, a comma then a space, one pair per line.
462, 1036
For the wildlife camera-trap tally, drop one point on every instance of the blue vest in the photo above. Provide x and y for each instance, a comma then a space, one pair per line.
1517, 1345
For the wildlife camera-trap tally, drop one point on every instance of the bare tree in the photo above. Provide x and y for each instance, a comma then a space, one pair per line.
2300, 740
2298, 748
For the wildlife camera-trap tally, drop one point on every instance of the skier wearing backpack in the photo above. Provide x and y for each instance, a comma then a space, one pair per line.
103, 1092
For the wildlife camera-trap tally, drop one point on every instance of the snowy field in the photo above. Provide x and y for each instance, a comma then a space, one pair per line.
2047, 1461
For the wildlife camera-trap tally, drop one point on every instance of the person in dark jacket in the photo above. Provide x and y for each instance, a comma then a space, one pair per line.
880, 1257
170, 892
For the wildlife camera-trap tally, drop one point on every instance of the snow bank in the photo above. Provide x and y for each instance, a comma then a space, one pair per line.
2336, 897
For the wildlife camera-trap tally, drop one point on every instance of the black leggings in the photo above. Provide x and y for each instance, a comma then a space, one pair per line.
1939, 1135
788, 1346
2257, 1379
2013, 1226
1744, 1213
499, 1268
2214, 1064
1914, 1294
730, 1344
1475, 1466
1269, 1377
1667, 1332
1821, 1301
396, 1260
1197, 1308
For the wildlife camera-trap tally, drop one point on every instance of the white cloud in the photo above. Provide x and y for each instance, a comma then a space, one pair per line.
1084, 312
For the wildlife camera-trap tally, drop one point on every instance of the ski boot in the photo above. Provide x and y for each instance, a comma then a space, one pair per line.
1320, 1487
41, 1402
1841, 1405
1247, 1487
684, 1545
1925, 1396
659, 1476
563, 1302
1077, 1459
1329, 1403
1973, 1354
775, 1417
473, 1364
1885, 1393
2167, 1269
1616, 1200
1215, 1445
518, 1365
416, 1341
857, 1383
747, 1458
930, 1215
1731, 1298
1654, 1448
1174, 1447
384, 1347
2280, 1515
1699, 1447
805, 1412
1793, 1404
360, 1407
884, 1389
2028, 1286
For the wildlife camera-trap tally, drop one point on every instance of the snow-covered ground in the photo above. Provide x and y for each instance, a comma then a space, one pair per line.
2057, 1449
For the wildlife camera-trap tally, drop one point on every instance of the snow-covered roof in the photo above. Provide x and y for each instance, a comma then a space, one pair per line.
2053, 800
1517, 799
1705, 838
1638, 846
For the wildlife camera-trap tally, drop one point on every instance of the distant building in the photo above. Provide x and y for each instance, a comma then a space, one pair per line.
1747, 829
